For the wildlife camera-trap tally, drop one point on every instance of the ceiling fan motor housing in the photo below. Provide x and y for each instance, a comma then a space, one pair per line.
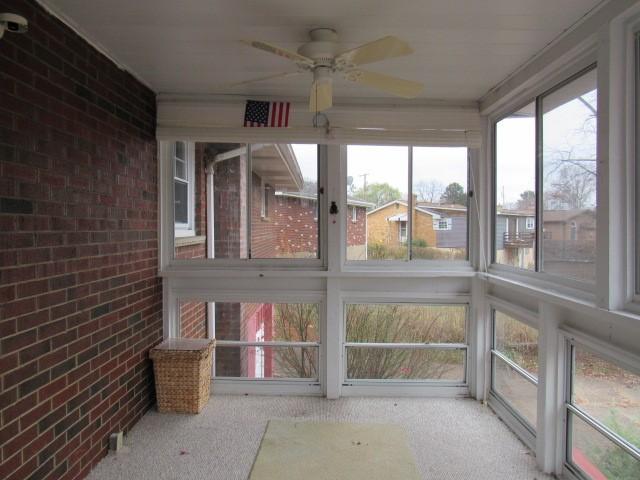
322, 48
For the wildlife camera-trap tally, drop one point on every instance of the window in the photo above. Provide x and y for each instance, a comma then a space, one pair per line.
443, 224
560, 129
637, 165
403, 212
515, 188
403, 231
569, 128
603, 418
248, 201
407, 342
267, 340
514, 366
183, 189
354, 214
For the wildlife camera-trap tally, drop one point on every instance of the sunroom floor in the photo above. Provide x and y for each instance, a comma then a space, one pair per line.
449, 438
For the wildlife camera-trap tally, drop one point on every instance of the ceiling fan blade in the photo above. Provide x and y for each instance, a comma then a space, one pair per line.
381, 49
321, 96
396, 86
281, 52
261, 79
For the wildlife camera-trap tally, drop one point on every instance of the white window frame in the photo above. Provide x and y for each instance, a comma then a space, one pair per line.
387, 387
410, 263
169, 264
561, 77
439, 225
186, 229
354, 214
571, 338
402, 226
530, 223
495, 395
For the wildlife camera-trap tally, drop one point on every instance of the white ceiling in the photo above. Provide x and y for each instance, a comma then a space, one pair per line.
462, 47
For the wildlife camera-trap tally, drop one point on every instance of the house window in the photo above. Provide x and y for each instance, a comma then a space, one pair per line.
267, 340
443, 224
379, 178
530, 223
405, 342
403, 232
603, 436
354, 215
514, 367
183, 189
515, 187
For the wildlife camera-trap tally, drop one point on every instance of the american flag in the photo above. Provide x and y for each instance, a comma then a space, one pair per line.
266, 114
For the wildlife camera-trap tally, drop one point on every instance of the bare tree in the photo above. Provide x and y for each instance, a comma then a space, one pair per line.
572, 188
429, 190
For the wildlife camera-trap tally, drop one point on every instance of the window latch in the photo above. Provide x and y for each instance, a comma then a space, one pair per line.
333, 209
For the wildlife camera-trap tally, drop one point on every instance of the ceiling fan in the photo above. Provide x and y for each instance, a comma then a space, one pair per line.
321, 57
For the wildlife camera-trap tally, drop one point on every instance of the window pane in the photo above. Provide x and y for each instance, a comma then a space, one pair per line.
181, 198
405, 363
180, 170
266, 362
569, 179
515, 189
608, 393
597, 456
440, 210
517, 341
386, 323
180, 150
257, 322
289, 228
377, 184
515, 390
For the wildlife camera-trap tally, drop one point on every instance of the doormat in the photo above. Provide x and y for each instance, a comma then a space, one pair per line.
333, 451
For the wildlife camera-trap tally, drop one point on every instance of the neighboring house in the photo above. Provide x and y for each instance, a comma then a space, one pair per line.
515, 237
441, 226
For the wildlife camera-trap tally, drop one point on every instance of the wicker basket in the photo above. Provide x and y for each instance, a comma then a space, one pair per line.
182, 369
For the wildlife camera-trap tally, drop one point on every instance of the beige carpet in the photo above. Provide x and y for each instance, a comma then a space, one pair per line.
331, 451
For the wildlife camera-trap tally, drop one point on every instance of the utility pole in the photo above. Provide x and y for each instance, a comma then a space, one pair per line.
364, 175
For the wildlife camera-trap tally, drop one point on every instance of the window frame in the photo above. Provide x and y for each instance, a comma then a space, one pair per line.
185, 229
410, 263
573, 286
170, 265
570, 339
494, 353
380, 385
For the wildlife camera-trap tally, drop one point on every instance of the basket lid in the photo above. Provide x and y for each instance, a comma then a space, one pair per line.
184, 344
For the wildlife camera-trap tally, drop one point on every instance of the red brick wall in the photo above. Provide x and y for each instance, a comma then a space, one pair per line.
80, 299
193, 320
289, 230
357, 231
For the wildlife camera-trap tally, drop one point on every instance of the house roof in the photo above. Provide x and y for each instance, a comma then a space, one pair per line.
442, 206
565, 215
515, 213
400, 202
310, 196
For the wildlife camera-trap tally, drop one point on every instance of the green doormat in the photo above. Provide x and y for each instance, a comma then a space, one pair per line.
333, 451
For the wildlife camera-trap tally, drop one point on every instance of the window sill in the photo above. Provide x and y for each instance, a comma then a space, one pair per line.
191, 240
